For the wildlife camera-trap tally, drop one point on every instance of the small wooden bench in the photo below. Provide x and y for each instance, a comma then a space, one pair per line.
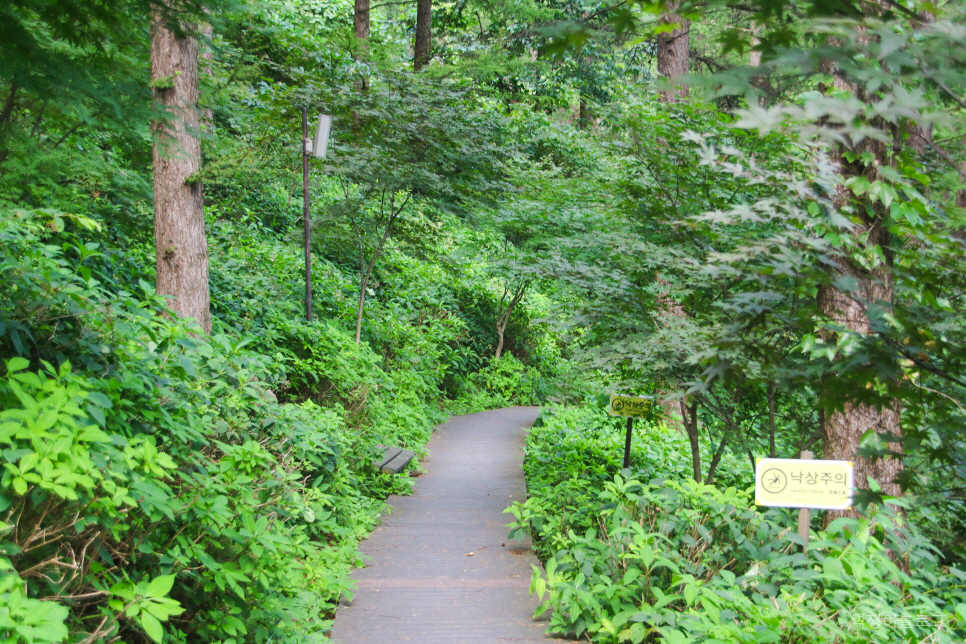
393, 460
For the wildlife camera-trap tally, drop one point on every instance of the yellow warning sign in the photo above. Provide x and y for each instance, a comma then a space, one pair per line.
629, 406
798, 483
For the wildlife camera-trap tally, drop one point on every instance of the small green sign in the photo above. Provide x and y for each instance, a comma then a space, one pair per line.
629, 406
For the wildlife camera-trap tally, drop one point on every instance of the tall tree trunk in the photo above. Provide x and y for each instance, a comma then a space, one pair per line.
424, 34
181, 246
673, 53
843, 427
361, 19
207, 72
361, 29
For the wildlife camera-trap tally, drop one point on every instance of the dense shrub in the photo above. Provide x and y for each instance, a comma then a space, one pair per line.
649, 555
152, 483
204, 488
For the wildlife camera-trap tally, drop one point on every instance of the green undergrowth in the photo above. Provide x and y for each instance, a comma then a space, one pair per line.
161, 485
648, 555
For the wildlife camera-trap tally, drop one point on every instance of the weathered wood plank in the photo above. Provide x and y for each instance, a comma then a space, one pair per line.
388, 453
398, 462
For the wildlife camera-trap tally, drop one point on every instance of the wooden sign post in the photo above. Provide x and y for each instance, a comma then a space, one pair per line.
632, 407
805, 484
805, 514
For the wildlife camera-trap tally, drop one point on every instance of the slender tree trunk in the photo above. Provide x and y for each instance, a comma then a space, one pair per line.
424, 32
772, 452
506, 310
181, 246
716, 459
5, 117
365, 269
9, 103
673, 52
362, 302
689, 415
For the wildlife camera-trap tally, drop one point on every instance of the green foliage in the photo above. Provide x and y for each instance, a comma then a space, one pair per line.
157, 484
164, 463
641, 556
163, 456
502, 383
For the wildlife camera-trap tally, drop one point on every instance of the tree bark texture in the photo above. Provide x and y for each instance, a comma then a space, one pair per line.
424, 34
361, 30
361, 19
673, 55
843, 428
181, 246
206, 59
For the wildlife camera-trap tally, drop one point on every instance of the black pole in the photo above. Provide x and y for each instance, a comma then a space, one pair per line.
627, 442
305, 214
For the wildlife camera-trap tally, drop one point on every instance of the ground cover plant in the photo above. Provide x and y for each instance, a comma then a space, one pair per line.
647, 554
161, 484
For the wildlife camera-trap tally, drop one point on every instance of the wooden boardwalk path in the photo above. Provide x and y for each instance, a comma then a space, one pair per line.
421, 584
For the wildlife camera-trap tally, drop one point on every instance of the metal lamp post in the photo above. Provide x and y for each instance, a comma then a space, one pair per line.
318, 149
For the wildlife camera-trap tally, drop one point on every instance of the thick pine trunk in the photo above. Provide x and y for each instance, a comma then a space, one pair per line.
673, 55
843, 428
424, 33
181, 246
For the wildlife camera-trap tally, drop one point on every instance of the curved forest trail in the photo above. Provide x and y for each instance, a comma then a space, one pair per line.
440, 568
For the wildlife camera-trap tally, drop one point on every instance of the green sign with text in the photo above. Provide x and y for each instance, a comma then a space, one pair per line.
629, 406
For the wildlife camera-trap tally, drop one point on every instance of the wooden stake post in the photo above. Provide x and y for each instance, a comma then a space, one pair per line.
627, 442
804, 514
